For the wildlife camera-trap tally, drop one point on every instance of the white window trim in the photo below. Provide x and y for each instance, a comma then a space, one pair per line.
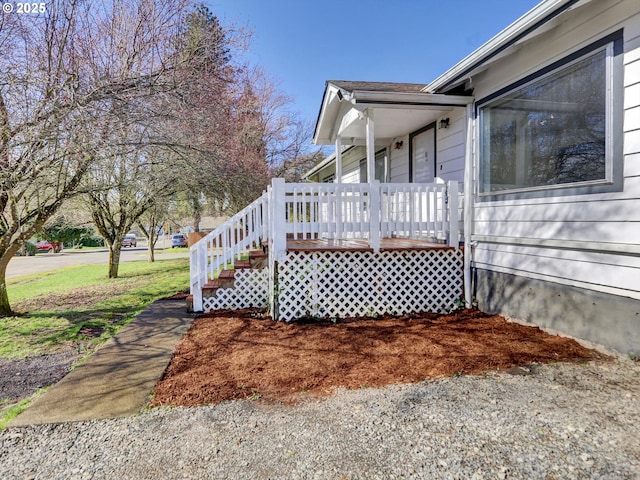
609, 114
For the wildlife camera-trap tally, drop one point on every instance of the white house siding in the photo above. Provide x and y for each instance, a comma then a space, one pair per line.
604, 217
399, 161
450, 147
449, 151
351, 164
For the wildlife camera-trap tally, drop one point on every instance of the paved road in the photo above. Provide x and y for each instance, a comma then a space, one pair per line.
45, 262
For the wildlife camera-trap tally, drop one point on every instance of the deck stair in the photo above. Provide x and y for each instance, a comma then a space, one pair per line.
226, 279
240, 285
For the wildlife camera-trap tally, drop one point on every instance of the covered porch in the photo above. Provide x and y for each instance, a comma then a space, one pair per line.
406, 133
339, 249
401, 118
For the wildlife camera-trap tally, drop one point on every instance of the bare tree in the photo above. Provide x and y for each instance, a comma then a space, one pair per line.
61, 73
110, 86
162, 144
265, 138
286, 137
120, 190
293, 169
42, 159
150, 224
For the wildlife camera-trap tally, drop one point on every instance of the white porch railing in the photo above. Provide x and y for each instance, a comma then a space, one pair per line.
331, 211
322, 210
227, 243
361, 210
412, 210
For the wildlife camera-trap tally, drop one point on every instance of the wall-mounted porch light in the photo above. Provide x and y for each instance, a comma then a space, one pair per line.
444, 123
399, 145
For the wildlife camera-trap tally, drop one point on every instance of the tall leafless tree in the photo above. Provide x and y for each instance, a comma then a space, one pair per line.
151, 222
61, 74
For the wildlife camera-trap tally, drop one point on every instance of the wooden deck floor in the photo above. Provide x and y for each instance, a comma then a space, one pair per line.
362, 245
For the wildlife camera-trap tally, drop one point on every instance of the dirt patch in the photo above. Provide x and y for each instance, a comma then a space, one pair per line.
91, 331
75, 299
236, 355
22, 378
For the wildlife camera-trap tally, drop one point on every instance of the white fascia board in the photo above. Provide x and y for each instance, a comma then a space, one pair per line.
502, 39
327, 116
413, 99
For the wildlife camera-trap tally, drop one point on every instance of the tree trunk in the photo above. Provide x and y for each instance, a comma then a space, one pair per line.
152, 243
114, 258
5, 307
197, 218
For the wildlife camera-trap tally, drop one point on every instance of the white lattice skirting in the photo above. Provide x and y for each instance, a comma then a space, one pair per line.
250, 290
345, 284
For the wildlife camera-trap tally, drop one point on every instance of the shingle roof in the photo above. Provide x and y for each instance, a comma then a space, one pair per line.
378, 86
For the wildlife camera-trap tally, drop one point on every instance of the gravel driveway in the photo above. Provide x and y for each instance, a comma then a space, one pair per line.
559, 421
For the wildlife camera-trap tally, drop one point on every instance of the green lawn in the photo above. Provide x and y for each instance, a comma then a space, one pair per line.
68, 306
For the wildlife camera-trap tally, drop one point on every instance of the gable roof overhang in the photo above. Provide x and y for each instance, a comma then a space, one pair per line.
399, 109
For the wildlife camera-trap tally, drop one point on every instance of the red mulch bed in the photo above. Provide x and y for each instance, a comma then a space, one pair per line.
238, 355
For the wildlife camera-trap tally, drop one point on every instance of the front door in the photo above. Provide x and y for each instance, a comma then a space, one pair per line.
423, 155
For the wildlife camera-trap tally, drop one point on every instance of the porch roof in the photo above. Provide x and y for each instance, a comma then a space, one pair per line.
399, 108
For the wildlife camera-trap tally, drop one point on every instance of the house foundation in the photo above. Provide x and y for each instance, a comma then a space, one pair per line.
610, 320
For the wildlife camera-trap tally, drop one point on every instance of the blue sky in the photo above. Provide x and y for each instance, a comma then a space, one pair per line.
303, 43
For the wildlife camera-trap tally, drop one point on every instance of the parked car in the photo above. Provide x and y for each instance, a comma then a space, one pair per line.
130, 240
45, 246
178, 241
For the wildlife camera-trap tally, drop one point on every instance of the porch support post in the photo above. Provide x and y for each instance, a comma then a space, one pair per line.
338, 179
452, 196
338, 160
278, 214
374, 215
468, 207
371, 149
198, 264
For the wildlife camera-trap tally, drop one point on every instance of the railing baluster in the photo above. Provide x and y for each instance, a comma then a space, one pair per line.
430, 212
360, 207
452, 214
374, 215
358, 210
301, 212
324, 212
314, 220
393, 208
295, 212
420, 224
331, 224
412, 214
339, 218
306, 202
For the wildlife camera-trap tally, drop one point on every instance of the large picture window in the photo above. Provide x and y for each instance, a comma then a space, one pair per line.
551, 131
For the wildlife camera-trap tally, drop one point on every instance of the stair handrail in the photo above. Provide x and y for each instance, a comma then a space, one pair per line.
220, 248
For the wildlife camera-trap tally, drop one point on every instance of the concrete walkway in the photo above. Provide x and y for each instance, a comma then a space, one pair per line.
117, 379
